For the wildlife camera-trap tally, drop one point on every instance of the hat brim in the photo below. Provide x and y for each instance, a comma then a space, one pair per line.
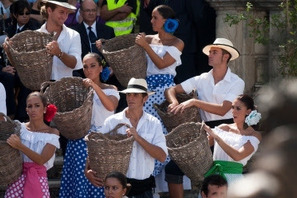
63, 4
135, 90
234, 52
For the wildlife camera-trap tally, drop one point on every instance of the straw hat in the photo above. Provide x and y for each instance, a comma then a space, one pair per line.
63, 3
137, 85
223, 44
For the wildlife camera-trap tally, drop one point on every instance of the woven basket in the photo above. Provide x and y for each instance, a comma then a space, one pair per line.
188, 147
109, 152
170, 120
126, 58
10, 158
74, 102
27, 53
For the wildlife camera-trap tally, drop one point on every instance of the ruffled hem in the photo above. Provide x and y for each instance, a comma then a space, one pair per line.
253, 140
35, 137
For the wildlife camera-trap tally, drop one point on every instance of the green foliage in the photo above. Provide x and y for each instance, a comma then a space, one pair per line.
285, 22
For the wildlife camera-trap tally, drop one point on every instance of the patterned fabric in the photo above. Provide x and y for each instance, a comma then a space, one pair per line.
74, 183
15, 190
158, 83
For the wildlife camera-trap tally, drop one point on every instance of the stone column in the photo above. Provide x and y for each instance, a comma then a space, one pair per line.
253, 64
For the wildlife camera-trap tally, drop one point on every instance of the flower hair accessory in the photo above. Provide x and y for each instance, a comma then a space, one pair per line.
50, 113
105, 74
253, 118
170, 25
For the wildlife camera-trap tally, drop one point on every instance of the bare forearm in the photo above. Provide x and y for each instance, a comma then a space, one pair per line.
218, 109
69, 60
35, 157
154, 151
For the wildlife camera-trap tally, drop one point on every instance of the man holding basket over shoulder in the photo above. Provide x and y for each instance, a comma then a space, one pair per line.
216, 90
149, 144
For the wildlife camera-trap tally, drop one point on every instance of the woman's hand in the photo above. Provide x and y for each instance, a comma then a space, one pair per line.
14, 141
53, 48
88, 83
140, 40
91, 176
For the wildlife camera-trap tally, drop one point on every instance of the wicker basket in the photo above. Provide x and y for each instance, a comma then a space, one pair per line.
10, 158
126, 58
109, 152
27, 53
170, 120
188, 147
74, 102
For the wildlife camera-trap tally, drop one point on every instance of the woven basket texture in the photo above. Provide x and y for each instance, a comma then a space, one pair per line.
10, 159
27, 53
126, 58
74, 102
109, 152
188, 147
170, 120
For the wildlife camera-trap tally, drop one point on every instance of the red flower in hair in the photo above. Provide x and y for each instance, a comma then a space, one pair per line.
50, 112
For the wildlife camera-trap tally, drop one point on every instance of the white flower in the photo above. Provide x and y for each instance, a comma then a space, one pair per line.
253, 118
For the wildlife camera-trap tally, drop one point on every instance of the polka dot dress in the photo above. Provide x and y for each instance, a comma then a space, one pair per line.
158, 83
15, 190
74, 183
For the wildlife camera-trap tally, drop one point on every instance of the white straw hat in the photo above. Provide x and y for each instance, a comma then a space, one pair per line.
223, 44
137, 85
63, 3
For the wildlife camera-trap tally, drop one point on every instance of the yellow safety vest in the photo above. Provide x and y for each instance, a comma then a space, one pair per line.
121, 27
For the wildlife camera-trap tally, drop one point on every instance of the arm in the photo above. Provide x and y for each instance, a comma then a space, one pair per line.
54, 49
115, 14
109, 102
160, 62
236, 155
91, 175
47, 152
170, 95
154, 151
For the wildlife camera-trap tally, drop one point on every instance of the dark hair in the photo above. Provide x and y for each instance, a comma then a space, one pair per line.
247, 101
41, 96
98, 58
226, 52
165, 11
119, 176
215, 179
17, 7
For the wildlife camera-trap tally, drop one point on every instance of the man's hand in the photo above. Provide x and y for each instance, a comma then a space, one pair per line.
9, 69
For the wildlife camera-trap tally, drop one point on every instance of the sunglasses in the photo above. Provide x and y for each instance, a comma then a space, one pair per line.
22, 13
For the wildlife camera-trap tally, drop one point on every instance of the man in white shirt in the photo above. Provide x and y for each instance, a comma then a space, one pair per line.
216, 90
149, 144
66, 47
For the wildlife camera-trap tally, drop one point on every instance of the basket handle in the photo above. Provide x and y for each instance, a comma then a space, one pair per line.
7, 50
8, 119
113, 131
45, 85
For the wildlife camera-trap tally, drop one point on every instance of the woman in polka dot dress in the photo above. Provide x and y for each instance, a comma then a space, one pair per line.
163, 56
37, 143
74, 182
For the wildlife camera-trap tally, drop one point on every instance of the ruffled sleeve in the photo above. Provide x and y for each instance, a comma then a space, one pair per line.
175, 53
254, 141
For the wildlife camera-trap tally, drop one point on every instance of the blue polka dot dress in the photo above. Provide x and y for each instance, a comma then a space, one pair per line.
158, 83
74, 183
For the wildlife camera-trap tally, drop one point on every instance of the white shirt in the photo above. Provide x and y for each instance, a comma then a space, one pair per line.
69, 42
36, 142
99, 112
161, 50
3, 108
225, 90
141, 164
